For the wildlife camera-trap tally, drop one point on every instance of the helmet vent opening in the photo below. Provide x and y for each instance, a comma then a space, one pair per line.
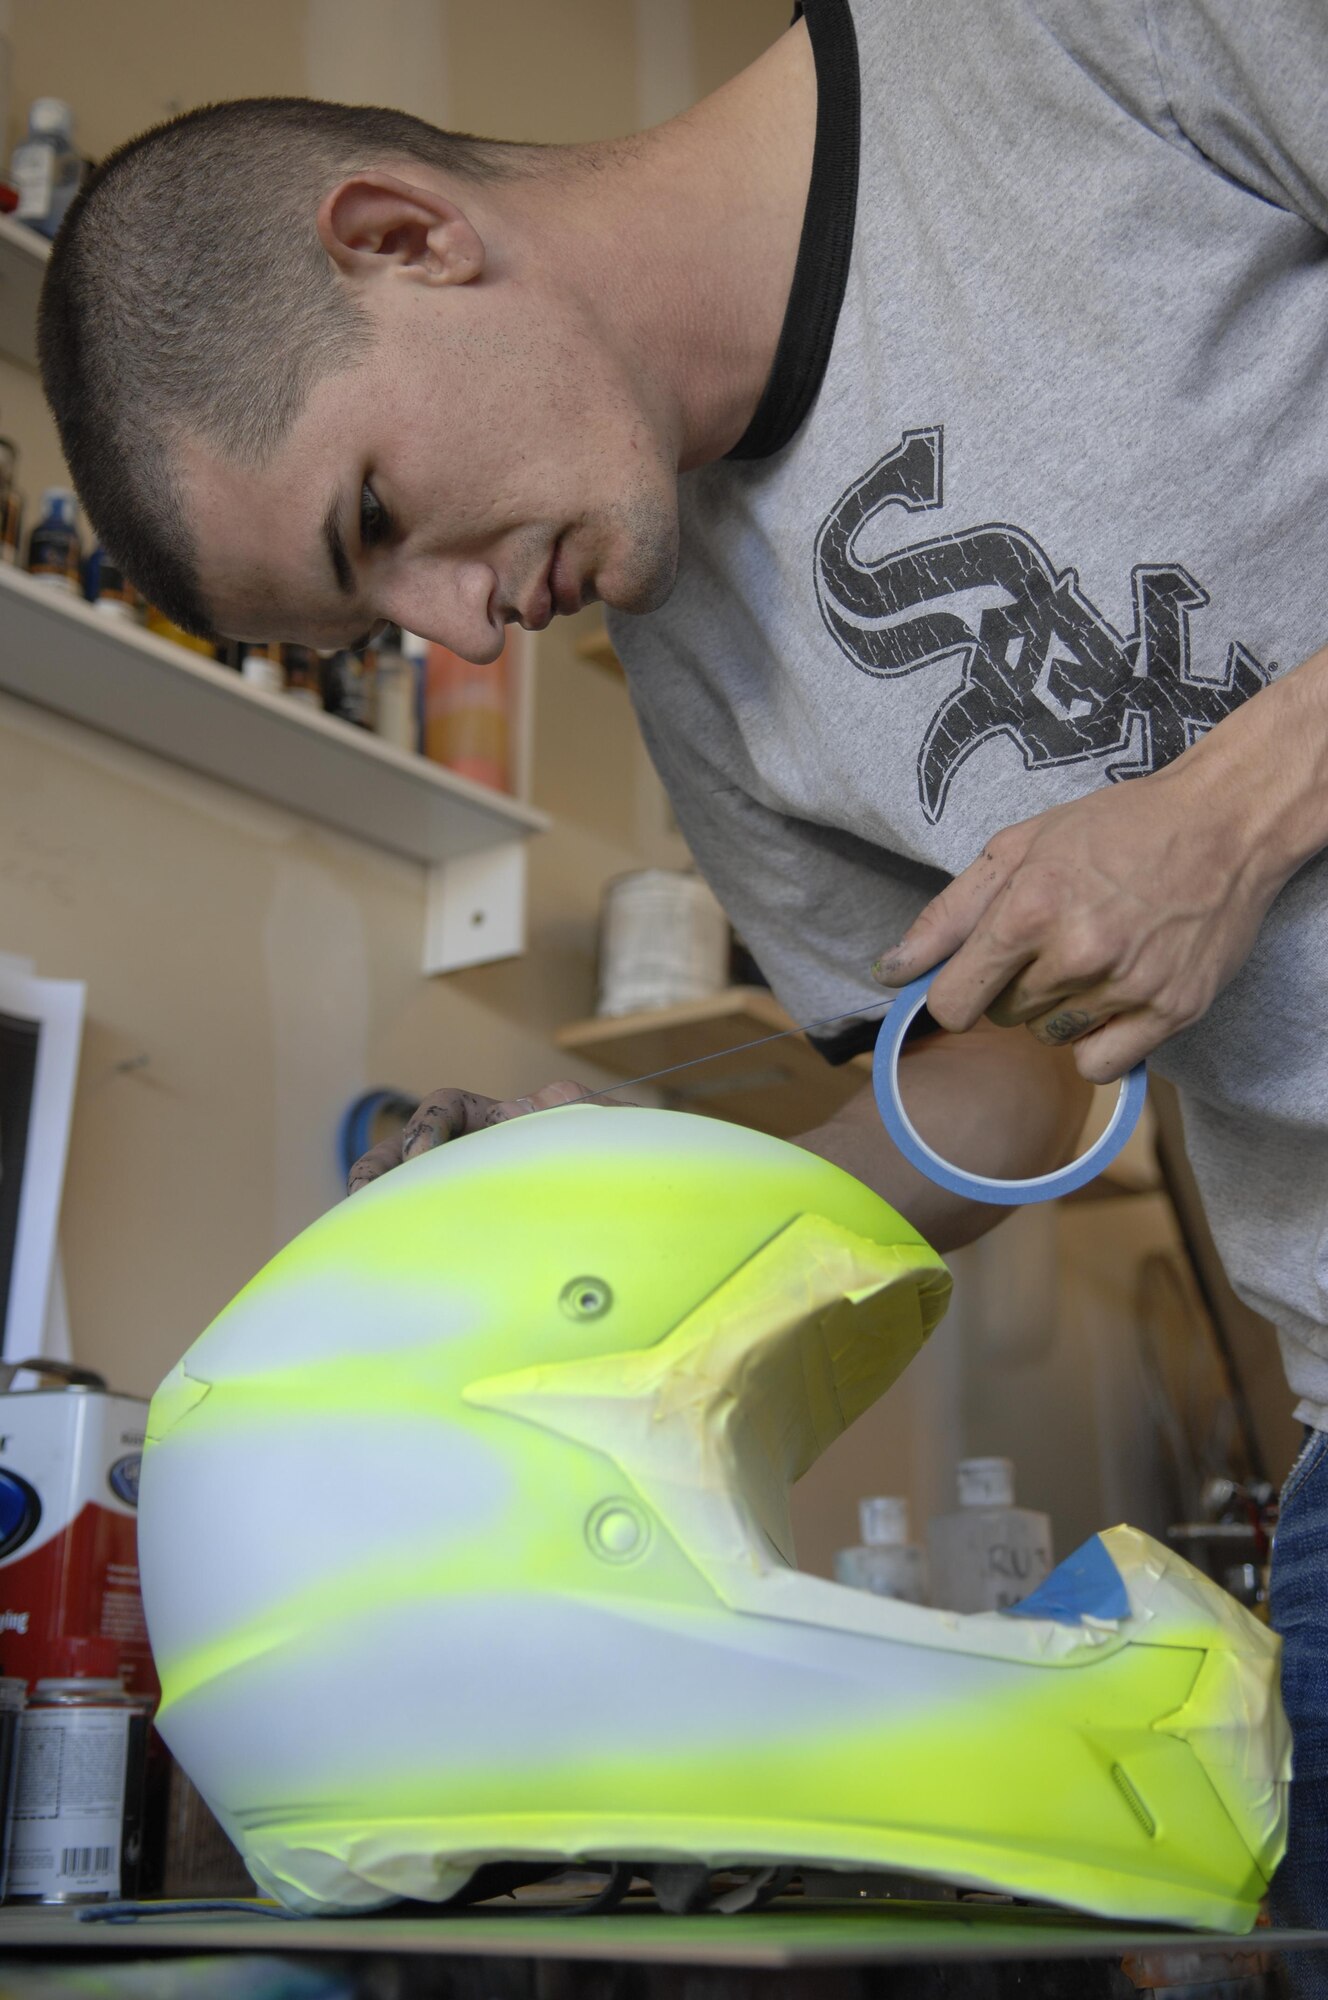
1134, 1802
585, 1298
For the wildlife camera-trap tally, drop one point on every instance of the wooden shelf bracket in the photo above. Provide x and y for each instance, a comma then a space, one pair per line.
475, 910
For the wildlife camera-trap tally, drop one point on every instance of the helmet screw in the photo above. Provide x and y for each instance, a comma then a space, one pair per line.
617, 1531
585, 1298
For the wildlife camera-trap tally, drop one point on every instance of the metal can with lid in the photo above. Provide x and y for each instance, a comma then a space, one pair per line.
76, 1823
664, 941
13, 1694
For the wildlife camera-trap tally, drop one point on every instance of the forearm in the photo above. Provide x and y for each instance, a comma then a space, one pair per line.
991, 1101
1265, 766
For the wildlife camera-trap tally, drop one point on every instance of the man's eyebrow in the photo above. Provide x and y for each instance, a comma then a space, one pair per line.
336, 548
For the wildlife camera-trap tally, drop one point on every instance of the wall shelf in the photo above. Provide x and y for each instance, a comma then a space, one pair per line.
783, 1088
23, 256
116, 678
128, 684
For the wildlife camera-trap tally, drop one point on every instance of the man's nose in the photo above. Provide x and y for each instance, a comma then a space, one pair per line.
455, 604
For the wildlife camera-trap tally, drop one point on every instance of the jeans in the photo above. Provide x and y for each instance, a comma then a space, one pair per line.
1300, 1614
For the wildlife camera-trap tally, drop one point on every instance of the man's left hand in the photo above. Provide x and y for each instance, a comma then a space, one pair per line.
1110, 922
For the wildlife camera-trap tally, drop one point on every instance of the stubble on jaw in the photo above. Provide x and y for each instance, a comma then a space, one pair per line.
644, 526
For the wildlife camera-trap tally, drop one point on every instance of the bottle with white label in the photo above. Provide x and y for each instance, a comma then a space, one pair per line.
44, 166
990, 1554
397, 709
885, 1562
54, 552
77, 1815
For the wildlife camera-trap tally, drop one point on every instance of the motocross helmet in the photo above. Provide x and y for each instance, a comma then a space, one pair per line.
464, 1537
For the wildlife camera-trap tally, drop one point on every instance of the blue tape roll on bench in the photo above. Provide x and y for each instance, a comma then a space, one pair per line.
976, 1187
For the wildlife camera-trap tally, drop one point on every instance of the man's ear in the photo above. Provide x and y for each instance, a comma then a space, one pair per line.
376, 221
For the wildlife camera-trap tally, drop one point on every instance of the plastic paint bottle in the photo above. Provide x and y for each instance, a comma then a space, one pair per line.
45, 168
11, 504
302, 675
166, 628
396, 709
349, 688
54, 553
886, 1562
77, 1821
109, 588
989, 1554
261, 667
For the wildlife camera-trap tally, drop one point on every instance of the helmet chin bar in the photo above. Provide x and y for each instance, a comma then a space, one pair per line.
713, 1424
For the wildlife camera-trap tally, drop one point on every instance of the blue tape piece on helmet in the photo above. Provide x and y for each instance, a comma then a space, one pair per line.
1086, 1585
977, 1187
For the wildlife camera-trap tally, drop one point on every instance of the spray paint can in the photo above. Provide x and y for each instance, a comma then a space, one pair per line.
69, 1459
76, 1828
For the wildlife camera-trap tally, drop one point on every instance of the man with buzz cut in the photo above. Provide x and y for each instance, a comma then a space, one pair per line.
941, 410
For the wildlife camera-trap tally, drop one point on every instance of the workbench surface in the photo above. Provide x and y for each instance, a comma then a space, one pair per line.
791, 1933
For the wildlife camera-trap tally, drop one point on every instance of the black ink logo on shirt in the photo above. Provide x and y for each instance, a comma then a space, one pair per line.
1038, 662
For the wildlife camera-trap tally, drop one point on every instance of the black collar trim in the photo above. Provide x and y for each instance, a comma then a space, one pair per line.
826, 243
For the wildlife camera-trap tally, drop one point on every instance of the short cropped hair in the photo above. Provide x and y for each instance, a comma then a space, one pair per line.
188, 293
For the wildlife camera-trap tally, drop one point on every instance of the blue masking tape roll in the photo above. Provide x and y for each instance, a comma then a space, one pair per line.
976, 1187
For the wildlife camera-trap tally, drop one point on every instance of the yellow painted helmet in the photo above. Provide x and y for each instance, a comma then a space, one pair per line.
464, 1538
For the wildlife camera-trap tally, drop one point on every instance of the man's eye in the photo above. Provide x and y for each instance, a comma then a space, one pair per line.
375, 521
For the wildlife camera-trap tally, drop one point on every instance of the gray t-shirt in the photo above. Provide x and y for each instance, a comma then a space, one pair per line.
1041, 503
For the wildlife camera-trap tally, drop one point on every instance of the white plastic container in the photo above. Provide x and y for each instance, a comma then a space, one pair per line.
885, 1562
990, 1554
262, 671
664, 940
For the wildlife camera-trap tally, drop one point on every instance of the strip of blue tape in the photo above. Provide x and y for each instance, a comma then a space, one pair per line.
977, 1187
1086, 1585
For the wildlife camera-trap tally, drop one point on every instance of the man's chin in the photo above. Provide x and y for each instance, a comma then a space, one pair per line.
645, 580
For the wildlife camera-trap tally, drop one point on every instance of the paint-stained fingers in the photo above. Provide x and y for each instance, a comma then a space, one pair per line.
446, 1113
544, 1099
944, 926
371, 1166
449, 1113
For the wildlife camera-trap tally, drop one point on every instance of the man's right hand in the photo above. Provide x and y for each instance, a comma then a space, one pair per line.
448, 1113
